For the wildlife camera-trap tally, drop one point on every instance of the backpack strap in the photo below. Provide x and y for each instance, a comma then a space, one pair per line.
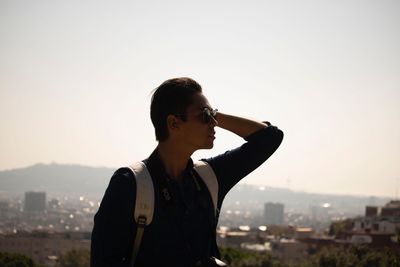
144, 204
208, 176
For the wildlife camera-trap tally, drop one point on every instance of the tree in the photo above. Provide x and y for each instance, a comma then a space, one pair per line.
392, 258
75, 258
16, 260
239, 258
337, 228
355, 256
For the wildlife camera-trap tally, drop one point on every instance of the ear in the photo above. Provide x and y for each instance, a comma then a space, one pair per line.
172, 123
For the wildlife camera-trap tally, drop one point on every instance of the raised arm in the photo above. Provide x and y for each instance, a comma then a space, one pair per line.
240, 126
262, 140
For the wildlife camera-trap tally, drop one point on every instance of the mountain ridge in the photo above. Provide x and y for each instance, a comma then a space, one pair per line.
75, 179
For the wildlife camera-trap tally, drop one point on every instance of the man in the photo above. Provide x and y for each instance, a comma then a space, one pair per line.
183, 230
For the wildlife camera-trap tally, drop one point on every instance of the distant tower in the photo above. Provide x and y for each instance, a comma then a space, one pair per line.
273, 213
35, 202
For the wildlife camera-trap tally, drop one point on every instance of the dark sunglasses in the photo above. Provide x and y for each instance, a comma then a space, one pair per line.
208, 114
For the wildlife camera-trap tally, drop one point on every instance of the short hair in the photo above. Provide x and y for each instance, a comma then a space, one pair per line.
172, 97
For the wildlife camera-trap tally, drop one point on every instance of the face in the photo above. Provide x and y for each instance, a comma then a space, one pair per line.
198, 130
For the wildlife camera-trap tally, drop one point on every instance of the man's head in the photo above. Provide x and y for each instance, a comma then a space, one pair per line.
172, 97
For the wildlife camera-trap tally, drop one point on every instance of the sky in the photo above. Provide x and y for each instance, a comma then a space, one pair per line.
76, 80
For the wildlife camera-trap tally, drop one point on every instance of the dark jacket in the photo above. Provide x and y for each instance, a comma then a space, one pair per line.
184, 225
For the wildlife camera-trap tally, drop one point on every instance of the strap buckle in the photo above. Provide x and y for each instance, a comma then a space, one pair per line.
142, 221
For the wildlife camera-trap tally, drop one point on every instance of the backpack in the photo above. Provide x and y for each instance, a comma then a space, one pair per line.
144, 204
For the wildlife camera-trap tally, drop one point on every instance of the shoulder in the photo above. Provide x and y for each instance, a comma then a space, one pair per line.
119, 195
122, 175
122, 181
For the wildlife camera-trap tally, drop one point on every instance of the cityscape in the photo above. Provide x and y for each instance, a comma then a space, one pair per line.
45, 227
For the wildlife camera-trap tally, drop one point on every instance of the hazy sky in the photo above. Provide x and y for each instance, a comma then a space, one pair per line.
76, 77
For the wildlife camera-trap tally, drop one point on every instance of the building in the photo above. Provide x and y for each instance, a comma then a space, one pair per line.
390, 210
303, 233
44, 248
4, 208
380, 227
273, 213
371, 211
35, 202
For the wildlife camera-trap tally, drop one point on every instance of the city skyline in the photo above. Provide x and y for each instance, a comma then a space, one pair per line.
76, 82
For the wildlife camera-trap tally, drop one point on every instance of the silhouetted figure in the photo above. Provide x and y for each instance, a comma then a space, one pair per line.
183, 230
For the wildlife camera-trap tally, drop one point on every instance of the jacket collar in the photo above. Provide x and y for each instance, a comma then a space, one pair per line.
157, 169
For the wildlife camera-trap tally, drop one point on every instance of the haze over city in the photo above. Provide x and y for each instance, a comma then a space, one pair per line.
76, 81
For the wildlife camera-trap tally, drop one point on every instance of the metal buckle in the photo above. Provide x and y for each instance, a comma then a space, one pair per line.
142, 220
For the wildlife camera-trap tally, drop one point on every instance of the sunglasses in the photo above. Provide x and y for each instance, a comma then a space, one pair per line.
207, 115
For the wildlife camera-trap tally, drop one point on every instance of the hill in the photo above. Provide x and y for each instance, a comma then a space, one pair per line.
56, 178
72, 180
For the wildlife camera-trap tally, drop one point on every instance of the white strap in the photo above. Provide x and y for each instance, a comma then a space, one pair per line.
136, 244
208, 176
144, 205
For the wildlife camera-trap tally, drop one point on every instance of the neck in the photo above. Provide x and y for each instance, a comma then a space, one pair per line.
174, 158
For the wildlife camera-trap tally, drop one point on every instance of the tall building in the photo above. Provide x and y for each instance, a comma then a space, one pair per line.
273, 213
35, 202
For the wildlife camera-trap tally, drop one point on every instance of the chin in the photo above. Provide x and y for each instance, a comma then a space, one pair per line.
206, 146
209, 146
